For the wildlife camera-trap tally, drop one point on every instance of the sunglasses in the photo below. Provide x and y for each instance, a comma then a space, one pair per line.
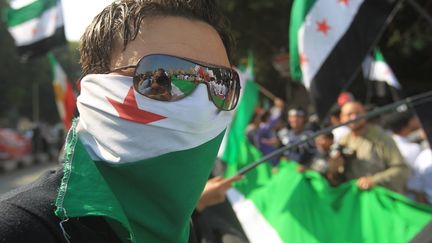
169, 78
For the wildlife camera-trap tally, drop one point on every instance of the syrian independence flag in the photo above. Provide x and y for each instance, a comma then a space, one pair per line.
376, 69
302, 207
36, 26
329, 40
139, 163
63, 92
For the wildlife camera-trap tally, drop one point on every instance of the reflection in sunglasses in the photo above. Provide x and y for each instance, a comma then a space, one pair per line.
169, 78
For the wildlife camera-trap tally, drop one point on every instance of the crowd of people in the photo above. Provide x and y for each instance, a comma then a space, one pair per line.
390, 151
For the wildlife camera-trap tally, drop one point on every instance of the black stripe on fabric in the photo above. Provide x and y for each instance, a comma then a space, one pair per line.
348, 55
43, 46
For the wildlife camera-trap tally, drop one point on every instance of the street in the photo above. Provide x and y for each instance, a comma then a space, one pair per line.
22, 176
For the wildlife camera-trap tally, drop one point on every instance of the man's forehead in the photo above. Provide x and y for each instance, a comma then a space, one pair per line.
174, 36
352, 107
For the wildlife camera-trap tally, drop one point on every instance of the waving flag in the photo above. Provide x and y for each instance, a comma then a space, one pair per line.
64, 95
36, 25
376, 69
329, 39
302, 207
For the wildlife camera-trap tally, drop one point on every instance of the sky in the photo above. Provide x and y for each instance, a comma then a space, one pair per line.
78, 14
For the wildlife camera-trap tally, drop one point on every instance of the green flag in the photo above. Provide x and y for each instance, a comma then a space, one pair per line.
302, 207
296, 207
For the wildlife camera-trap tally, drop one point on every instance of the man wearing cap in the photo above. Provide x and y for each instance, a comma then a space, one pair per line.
296, 133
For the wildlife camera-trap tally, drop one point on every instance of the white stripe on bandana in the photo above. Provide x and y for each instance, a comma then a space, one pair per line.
159, 127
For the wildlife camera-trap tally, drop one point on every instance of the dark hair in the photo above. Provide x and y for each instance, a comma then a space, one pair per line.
297, 110
161, 78
265, 115
397, 121
335, 111
120, 23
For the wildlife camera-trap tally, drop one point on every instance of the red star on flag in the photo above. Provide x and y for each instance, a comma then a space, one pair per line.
303, 59
322, 26
129, 110
344, 2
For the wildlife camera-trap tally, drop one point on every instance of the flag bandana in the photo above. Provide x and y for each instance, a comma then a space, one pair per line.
140, 163
146, 128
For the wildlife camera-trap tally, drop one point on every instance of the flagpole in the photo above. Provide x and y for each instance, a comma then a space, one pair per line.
421, 11
374, 43
410, 101
266, 92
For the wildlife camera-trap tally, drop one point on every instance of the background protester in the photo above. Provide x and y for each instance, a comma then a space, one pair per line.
334, 121
378, 160
421, 183
266, 136
402, 124
323, 144
252, 128
296, 132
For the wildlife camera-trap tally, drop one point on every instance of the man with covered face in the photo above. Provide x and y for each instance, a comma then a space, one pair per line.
378, 160
135, 165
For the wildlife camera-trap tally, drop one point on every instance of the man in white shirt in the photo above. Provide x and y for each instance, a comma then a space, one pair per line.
422, 183
402, 124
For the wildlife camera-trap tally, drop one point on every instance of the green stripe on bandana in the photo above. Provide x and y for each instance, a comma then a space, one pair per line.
153, 199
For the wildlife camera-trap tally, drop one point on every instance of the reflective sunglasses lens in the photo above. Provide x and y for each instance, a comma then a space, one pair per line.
169, 78
224, 89
164, 78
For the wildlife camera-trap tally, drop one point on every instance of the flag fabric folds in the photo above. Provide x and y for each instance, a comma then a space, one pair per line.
290, 206
376, 69
63, 92
149, 159
296, 207
36, 26
329, 40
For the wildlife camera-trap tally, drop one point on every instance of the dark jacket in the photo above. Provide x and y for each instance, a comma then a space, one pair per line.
27, 215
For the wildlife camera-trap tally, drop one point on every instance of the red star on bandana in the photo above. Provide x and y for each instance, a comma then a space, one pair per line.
344, 2
129, 110
322, 26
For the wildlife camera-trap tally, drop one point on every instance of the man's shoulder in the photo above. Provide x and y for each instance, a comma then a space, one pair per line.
27, 213
377, 134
